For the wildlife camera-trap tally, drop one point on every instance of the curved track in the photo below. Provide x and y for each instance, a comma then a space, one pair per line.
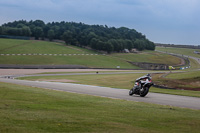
156, 98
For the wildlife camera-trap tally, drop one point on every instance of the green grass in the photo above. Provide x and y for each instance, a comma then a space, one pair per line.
27, 109
150, 57
185, 75
176, 92
92, 61
184, 51
188, 80
12, 46
194, 65
123, 81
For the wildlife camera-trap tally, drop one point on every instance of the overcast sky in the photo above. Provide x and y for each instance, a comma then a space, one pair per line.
162, 21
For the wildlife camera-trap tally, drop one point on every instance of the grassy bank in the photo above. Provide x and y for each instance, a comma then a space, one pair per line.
92, 61
9, 48
27, 109
13, 46
149, 57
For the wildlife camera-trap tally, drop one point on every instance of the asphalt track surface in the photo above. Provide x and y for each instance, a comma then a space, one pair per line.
156, 98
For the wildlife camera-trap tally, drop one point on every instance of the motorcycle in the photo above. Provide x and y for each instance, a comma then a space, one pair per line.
141, 86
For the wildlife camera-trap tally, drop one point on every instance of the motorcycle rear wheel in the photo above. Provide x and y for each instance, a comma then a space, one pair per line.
144, 92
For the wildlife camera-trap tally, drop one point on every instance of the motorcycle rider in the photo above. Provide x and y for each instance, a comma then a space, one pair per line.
140, 81
142, 86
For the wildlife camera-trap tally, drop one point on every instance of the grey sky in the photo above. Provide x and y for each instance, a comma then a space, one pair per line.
164, 21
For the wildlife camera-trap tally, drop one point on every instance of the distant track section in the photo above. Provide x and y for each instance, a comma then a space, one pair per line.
186, 56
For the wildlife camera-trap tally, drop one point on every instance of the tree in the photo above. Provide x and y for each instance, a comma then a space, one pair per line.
101, 45
82, 39
109, 47
13, 31
51, 35
1, 30
39, 23
26, 31
90, 36
115, 44
93, 43
139, 44
38, 32
128, 44
67, 37
20, 25
150, 45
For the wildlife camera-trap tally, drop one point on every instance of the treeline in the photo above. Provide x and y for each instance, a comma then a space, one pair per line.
99, 37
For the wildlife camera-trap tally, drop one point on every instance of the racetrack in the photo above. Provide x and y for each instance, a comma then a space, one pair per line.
156, 98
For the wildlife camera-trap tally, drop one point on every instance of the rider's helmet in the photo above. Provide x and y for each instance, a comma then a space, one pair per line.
148, 75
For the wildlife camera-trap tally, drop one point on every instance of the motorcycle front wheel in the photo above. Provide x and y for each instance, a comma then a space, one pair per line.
131, 92
144, 92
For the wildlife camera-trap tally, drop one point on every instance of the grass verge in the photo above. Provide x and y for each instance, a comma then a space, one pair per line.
27, 109
185, 80
123, 81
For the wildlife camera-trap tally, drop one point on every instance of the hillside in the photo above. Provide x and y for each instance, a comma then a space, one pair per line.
99, 37
34, 52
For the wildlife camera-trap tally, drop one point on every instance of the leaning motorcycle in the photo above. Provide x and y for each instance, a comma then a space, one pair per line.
141, 86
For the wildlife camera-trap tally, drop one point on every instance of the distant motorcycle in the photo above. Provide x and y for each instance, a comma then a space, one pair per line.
141, 86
